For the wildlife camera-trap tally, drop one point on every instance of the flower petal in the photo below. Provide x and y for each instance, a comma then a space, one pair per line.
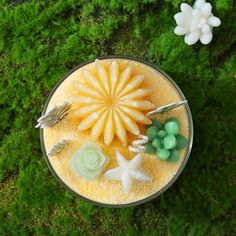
179, 30
179, 18
99, 126
206, 9
199, 4
214, 21
206, 29
133, 84
129, 124
108, 133
139, 93
85, 100
102, 75
87, 110
119, 129
185, 8
206, 38
85, 89
136, 115
123, 80
114, 75
93, 81
191, 38
196, 15
87, 122
140, 104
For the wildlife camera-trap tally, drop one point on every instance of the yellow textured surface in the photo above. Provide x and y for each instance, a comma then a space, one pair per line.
102, 190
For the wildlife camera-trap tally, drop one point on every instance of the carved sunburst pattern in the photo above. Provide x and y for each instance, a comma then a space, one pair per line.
111, 102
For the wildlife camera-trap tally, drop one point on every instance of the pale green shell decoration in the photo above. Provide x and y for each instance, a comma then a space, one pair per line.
89, 161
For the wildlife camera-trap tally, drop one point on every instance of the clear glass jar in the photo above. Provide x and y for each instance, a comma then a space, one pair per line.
187, 153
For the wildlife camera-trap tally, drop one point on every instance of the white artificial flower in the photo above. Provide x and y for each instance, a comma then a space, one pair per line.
196, 22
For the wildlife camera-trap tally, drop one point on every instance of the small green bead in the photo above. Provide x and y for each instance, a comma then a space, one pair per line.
163, 154
169, 142
161, 133
172, 119
174, 156
151, 132
149, 148
157, 143
157, 124
172, 127
181, 142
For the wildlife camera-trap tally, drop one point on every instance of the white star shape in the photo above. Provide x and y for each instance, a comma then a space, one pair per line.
127, 171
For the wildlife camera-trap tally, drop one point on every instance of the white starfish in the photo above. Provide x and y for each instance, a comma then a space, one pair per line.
127, 171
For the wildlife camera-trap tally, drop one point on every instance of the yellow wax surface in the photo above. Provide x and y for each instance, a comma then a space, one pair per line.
103, 190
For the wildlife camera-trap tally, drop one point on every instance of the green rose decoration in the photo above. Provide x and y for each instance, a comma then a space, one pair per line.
89, 161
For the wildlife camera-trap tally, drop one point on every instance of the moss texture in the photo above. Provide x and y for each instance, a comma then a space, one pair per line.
40, 41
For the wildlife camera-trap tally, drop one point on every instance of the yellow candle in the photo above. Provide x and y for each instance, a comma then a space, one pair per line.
160, 92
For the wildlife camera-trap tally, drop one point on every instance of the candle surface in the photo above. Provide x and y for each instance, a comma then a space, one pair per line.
162, 92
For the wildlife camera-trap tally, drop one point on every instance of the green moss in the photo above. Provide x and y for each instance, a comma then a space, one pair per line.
40, 41
224, 5
7, 192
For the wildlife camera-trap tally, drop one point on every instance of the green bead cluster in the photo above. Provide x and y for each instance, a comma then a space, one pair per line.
165, 140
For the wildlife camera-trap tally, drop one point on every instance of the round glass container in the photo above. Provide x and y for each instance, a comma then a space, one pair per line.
167, 91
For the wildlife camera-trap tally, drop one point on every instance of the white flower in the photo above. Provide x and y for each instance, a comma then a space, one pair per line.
196, 22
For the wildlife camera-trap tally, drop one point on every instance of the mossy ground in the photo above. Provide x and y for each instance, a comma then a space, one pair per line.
40, 41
